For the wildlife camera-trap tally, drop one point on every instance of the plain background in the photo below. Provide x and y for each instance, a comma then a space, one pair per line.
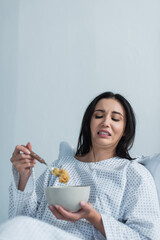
57, 55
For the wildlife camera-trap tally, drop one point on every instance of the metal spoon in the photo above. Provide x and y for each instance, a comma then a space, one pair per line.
65, 177
41, 160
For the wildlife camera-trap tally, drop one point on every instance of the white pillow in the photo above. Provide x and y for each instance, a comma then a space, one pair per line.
152, 163
65, 149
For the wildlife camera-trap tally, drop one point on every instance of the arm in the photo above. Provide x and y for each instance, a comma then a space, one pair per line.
26, 202
140, 215
87, 212
24, 193
22, 178
139, 211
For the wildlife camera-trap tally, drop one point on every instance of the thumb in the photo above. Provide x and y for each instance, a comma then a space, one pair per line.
85, 205
29, 146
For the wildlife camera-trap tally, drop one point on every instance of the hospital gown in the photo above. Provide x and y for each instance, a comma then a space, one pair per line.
122, 191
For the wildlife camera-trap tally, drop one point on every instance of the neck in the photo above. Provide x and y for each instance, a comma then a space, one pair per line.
97, 154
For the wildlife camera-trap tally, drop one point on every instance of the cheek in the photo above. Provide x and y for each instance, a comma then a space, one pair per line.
119, 129
93, 126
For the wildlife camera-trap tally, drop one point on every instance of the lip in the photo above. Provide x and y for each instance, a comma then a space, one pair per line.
104, 134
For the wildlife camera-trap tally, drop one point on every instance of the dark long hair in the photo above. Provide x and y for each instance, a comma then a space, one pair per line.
126, 142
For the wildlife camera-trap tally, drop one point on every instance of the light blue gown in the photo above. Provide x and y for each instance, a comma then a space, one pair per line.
122, 191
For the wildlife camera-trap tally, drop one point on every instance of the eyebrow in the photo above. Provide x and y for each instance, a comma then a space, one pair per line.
115, 112
99, 110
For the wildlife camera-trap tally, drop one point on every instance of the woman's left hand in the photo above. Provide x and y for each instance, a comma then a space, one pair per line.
86, 211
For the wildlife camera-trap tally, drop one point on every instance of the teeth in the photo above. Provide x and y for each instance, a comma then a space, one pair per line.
105, 133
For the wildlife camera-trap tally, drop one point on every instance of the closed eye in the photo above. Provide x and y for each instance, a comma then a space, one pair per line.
116, 120
98, 116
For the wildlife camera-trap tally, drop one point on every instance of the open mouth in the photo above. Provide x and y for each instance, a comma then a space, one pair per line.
104, 133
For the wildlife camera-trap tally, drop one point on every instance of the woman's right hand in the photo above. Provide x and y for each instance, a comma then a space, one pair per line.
23, 162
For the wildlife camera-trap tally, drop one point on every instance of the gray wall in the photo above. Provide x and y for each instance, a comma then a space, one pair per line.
56, 56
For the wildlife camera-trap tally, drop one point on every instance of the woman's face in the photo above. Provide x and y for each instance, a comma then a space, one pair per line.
107, 123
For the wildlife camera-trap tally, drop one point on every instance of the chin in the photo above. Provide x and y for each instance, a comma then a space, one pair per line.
102, 143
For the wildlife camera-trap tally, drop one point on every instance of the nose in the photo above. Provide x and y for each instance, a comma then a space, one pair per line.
106, 122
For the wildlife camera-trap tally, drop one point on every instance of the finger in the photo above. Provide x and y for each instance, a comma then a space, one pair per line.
86, 206
25, 161
20, 157
90, 212
24, 156
56, 213
20, 148
24, 165
68, 215
29, 146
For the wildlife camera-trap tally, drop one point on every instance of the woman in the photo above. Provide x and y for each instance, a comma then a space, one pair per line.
123, 202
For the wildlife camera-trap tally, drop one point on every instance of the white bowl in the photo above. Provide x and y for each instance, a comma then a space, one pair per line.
69, 197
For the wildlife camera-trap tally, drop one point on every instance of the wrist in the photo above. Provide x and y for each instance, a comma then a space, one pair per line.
23, 179
94, 218
25, 174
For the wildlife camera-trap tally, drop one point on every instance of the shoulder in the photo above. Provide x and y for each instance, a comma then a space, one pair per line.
139, 174
140, 183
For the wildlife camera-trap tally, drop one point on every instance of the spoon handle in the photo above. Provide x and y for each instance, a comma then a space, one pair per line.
36, 156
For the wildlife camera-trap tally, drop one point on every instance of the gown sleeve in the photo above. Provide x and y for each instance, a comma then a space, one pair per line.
27, 202
139, 212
